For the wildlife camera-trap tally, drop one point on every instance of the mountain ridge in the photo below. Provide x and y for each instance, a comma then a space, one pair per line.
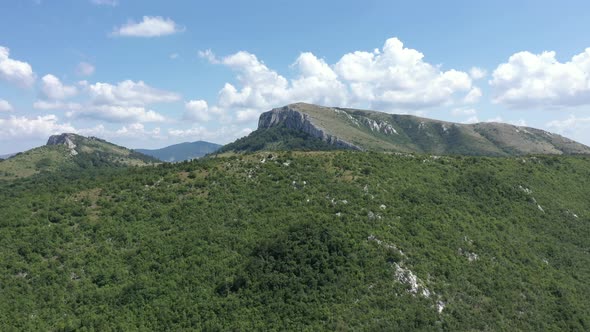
377, 131
181, 151
68, 151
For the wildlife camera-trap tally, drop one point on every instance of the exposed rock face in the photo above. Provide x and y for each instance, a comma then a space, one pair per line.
64, 139
294, 119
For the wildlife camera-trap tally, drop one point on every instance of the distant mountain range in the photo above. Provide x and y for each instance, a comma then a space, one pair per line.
182, 151
312, 127
68, 152
6, 156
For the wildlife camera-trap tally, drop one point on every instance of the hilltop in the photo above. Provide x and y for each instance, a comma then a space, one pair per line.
182, 151
310, 127
71, 152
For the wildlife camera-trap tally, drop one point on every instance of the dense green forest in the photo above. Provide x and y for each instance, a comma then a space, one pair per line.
277, 138
337, 240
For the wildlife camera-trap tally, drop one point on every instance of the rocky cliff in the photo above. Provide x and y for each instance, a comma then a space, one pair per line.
292, 118
64, 139
336, 127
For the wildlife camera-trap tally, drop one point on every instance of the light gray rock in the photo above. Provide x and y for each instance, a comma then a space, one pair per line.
294, 119
64, 139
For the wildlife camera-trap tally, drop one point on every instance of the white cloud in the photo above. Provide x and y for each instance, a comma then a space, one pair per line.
137, 130
54, 89
15, 71
477, 73
573, 126
394, 78
55, 105
39, 127
224, 134
472, 119
473, 96
133, 131
85, 69
112, 3
263, 88
463, 111
113, 113
398, 78
173, 56
209, 56
125, 101
129, 93
5, 106
150, 26
196, 110
539, 80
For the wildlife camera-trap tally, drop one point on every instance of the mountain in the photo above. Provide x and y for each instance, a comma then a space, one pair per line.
343, 128
71, 151
6, 156
182, 151
301, 241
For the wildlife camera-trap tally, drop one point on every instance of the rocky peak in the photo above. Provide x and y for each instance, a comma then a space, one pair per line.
293, 118
66, 139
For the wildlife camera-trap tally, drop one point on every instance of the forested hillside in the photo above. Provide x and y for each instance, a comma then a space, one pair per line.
338, 240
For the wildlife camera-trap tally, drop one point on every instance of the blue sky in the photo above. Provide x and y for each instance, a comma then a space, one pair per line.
154, 73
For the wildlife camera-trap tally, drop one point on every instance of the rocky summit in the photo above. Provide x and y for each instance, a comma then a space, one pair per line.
345, 128
71, 152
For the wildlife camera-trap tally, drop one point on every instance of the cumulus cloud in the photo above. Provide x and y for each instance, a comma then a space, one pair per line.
473, 96
397, 77
5, 106
126, 101
477, 73
128, 93
224, 134
539, 80
393, 78
196, 110
137, 130
15, 71
37, 127
150, 26
55, 105
85, 69
113, 113
54, 89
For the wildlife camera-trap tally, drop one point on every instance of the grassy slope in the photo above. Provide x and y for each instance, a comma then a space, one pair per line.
182, 151
238, 243
275, 139
91, 153
28, 163
422, 135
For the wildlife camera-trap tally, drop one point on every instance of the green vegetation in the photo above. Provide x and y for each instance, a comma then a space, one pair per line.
182, 151
377, 131
278, 138
300, 241
89, 152
45, 158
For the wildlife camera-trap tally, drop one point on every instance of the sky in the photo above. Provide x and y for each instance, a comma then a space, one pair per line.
147, 74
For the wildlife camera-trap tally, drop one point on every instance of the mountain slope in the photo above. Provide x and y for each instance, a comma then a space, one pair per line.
295, 241
6, 156
68, 152
376, 131
182, 151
